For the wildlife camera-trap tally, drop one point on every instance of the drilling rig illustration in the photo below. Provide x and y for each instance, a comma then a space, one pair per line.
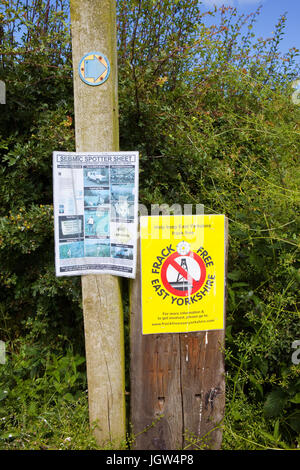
181, 283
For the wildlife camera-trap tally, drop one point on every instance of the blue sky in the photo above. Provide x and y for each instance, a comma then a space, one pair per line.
270, 13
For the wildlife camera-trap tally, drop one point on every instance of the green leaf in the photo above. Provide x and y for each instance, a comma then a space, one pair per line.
239, 284
294, 421
275, 403
9, 435
276, 430
234, 275
68, 397
256, 384
3, 394
295, 399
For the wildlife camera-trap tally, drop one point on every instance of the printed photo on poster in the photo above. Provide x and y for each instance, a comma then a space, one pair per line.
96, 176
71, 250
97, 222
70, 226
95, 199
97, 248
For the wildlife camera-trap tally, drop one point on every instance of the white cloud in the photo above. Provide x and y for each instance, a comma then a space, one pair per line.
236, 3
218, 3
248, 2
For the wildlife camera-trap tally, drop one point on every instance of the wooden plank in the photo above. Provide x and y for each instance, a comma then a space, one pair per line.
155, 396
93, 27
177, 384
203, 389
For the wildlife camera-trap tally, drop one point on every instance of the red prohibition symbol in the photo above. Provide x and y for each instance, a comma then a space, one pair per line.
183, 275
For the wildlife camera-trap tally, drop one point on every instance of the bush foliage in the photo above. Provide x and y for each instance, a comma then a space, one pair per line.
208, 106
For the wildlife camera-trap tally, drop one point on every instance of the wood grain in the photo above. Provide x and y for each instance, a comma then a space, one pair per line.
93, 26
177, 384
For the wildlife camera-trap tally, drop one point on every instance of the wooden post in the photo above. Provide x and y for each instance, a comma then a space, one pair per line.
177, 384
93, 26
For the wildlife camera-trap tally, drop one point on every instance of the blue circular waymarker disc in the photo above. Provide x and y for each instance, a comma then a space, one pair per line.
94, 68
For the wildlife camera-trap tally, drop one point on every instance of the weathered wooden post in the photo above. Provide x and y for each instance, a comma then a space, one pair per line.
93, 26
177, 382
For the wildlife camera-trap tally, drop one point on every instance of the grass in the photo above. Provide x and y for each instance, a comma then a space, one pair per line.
44, 406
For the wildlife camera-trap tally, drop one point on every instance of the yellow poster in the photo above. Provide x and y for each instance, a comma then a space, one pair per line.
182, 273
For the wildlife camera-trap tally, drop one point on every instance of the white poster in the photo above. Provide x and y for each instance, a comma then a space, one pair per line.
95, 212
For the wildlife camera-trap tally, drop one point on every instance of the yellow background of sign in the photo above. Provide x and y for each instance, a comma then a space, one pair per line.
159, 314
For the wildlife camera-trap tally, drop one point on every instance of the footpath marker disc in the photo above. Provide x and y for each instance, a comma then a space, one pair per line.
94, 68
